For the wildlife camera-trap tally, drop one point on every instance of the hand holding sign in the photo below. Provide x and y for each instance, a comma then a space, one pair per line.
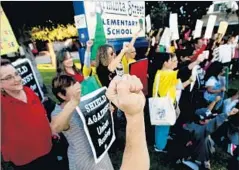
126, 94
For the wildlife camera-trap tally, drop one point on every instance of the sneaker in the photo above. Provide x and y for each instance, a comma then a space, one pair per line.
159, 150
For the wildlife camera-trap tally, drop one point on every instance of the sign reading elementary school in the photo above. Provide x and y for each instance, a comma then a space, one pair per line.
121, 19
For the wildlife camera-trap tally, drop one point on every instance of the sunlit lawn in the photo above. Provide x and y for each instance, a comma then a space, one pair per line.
158, 160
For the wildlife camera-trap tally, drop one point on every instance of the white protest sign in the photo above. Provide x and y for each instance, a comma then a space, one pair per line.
25, 69
97, 119
173, 24
121, 19
165, 39
148, 23
198, 29
80, 21
225, 53
210, 25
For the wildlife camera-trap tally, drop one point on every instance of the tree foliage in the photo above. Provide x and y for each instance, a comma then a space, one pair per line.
58, 33
158, 12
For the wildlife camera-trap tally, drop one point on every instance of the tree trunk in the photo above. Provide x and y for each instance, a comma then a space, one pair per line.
52, 54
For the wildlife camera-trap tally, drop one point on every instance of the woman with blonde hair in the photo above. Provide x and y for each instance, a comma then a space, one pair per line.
107, 62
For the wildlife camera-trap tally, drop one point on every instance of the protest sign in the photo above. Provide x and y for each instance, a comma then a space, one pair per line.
121, 19
148, 23
222, 30
225, 53
173, 25
24, 67
210, 25
222, 27
198, 29
89, 85
165, 39
141, 65
94, 110
8, 42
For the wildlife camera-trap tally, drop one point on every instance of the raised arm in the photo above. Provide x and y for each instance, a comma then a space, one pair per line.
126, 94
213, 103
158, 35
215, 123
112, 66
87, 64
200, 59
134, 38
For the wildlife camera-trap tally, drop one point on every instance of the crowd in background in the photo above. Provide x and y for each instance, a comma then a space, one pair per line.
206, 114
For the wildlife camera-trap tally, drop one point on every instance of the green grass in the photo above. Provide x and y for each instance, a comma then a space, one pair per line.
158, 161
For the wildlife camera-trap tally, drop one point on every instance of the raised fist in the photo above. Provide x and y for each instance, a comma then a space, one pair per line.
126, 94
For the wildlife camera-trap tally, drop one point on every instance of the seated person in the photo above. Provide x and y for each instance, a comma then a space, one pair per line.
215, 84
231, 101
201, 129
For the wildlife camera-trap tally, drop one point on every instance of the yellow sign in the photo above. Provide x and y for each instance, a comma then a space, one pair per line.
222, 27
222, 30
8, 42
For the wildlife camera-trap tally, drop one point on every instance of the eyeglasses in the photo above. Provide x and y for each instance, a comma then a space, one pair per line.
11, 77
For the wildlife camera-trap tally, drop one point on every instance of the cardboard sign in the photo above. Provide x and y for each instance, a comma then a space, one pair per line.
95, 114
165, 39
173, 24
141, 65
210, 25
24, 67
8, 42
148, 23
225, 53
222, 30
198, 29
222, 27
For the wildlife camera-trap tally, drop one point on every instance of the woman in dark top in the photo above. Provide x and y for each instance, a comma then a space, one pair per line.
106, 63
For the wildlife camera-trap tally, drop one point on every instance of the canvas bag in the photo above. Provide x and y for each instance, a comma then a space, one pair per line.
161, 109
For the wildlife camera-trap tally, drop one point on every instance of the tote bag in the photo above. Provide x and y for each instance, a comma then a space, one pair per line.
161, 109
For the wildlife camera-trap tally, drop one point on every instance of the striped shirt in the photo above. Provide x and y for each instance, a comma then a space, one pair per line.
79, 151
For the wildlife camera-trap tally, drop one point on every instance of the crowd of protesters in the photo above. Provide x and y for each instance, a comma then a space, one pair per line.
206, 114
